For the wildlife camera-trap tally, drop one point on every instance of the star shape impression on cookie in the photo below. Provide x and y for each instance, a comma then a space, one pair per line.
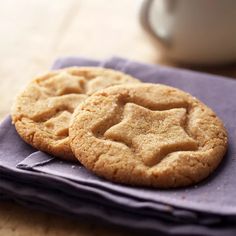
152, 134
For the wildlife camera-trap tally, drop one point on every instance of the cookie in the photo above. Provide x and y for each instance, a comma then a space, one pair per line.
147, 135
42, 112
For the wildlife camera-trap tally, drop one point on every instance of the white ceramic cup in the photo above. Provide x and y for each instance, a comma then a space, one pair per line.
192, 31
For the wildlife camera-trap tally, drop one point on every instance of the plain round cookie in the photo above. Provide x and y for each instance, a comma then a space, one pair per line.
147, 135
42, 112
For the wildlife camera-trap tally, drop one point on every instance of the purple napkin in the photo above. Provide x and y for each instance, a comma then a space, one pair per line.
209, 196
205, 201
51, 201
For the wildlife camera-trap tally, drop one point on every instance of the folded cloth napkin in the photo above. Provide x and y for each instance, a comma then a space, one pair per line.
202, 204
52, 201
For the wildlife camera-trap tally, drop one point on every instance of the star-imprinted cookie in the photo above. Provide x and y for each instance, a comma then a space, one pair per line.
152, 134
149, 135
42, 112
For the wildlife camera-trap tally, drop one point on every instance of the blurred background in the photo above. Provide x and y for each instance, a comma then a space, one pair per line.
35, 33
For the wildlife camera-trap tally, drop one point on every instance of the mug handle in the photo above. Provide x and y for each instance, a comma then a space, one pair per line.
144, 21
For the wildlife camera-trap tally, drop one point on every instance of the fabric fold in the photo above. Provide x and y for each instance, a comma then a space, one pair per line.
54, 202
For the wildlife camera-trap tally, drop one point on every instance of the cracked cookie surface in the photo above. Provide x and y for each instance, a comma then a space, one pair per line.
147, 135
42, 112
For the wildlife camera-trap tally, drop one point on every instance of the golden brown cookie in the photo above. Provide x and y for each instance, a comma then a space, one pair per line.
42, 112
148, 135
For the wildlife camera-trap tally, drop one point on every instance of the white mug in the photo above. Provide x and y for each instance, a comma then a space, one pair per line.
192, 31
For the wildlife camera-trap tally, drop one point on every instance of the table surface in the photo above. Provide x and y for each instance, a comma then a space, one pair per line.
33, 34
